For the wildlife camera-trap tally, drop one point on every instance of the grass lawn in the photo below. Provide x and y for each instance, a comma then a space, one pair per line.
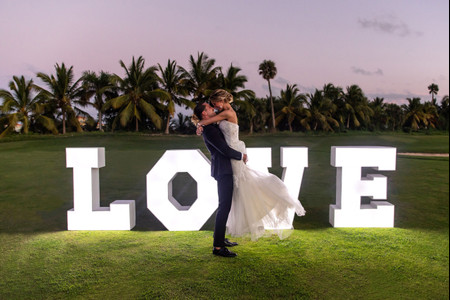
40, 259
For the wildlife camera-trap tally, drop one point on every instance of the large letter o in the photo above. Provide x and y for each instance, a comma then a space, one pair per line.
198, 166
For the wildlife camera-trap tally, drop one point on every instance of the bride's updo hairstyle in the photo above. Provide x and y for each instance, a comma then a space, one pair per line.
221, 95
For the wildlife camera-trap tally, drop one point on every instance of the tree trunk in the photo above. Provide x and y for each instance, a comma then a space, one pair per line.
25, 125
100, 123
290, 126
64, 121
274, 128
251, 127
137, 125
348, 122
167, 125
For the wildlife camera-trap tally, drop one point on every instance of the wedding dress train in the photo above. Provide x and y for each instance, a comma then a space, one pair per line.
258, 198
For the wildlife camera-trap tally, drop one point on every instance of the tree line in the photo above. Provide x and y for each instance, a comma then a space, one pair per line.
145, 99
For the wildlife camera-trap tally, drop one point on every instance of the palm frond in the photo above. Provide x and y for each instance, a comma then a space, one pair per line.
117, 103
48, 123
126, 114
149, 110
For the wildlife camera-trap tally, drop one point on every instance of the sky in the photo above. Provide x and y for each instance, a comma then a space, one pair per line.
392, 49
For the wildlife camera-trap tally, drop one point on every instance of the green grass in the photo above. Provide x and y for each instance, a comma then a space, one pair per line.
41, 260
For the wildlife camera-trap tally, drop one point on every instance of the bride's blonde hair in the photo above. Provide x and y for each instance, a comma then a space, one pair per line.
195, 120
221, 95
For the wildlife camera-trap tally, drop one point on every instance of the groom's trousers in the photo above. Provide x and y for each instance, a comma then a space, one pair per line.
225, 189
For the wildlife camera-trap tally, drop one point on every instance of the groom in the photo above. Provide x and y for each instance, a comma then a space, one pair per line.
221, 170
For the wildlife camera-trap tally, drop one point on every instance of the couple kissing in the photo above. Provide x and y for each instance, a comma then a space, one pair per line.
248, 199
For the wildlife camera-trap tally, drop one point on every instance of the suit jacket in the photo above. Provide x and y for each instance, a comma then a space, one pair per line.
221, 153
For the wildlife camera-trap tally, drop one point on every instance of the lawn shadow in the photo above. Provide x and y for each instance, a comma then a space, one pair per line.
316, 218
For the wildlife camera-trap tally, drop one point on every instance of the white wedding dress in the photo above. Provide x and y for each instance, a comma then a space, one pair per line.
258, 198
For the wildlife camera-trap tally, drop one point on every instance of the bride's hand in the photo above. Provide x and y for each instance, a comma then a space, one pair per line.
199, 130
245, 158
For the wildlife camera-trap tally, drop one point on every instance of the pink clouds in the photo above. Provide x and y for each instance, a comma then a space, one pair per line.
312, 43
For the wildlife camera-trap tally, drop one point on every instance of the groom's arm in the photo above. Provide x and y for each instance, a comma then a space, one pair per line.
213, 137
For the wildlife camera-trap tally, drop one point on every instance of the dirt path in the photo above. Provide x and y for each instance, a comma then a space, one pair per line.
425, 154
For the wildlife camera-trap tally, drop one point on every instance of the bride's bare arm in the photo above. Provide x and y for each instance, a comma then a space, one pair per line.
225, 115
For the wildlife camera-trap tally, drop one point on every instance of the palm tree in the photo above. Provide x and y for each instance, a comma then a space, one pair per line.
139, 88
253, 113
3, 122
99, 87
319, 113
247, 112
394, 114
235, 84
23, 105
418, 115
332, 92
171, 81
444, 113
433, 89
62, 93
182, 124
293, 105
431, 114
201, 79
358, 110
336, 95
379, 118
243, 98
268, 71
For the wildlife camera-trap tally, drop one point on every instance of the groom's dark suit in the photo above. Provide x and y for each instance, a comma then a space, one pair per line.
221, 170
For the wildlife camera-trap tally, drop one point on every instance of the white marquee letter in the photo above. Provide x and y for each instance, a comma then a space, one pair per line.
294, 160
87, 213
350, 187
260, 159
159, 178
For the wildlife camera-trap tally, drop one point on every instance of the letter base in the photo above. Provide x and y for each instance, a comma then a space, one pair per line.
378, 214
121, 215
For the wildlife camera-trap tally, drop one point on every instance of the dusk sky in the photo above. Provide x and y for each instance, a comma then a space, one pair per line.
391, 48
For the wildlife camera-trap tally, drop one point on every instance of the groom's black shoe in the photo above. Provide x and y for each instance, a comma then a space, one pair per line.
230, 244
224, 252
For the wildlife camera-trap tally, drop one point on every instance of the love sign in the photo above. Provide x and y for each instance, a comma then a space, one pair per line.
121, 215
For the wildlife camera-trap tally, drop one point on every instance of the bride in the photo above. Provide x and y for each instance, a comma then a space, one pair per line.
259, 199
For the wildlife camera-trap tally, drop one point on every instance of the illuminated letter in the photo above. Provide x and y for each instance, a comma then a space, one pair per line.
260, 159
294, 160
87, 213
350, 187
158, 184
